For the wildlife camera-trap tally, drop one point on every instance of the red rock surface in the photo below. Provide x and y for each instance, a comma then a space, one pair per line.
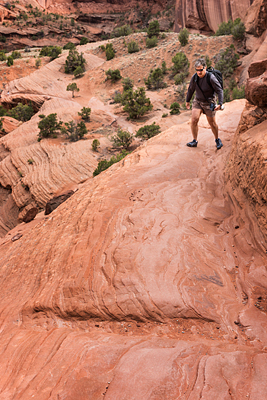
142, 285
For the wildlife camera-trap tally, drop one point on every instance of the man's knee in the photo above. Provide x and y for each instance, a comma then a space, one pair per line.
194, 121
213, 123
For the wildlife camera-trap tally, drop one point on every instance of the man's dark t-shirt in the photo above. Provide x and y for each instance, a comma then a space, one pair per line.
206, 88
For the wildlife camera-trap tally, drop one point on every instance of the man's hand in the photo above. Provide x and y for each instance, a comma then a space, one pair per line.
217, 108
188, 106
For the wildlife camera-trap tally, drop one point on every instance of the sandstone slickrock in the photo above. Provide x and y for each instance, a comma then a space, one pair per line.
53, 203
142, 285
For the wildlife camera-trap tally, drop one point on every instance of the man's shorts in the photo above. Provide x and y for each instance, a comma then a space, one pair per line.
204, 106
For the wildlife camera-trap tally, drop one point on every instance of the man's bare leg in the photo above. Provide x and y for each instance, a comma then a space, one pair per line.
214, 126
194, 122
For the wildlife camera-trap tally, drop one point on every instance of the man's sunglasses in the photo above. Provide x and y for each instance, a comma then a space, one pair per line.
200, 70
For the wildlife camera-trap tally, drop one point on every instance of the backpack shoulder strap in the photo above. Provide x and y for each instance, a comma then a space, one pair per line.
208, 79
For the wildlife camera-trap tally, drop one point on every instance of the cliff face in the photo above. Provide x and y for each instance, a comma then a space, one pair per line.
208, 14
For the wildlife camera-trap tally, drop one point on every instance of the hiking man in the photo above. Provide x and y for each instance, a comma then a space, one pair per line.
204, 101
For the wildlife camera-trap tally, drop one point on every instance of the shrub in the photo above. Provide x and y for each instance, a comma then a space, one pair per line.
78, 72
10, 61
69, 46
179, 78
122, 139
95, 144
21, 112
72, 87
30, 161
227, 61
114, 75
38, 62
110, 53
235, 28
2, 38
151, 42
127, 84
50, 51
181, 63
124, 30
153, 29
15, 54
163, 67
148, 131
226, 95
54, 53
48, 126
105, 164
2, 56
85, 113
83, 41
74, 131
133, 47
238, 93
73, 61
164, 115
224, 28
175, 108
238, 31
136, 103
155, 79
183, 36
72, 22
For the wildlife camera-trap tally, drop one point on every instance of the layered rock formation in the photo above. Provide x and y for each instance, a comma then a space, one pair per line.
207, 15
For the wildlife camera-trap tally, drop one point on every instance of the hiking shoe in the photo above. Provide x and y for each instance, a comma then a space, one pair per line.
218, 143
193, 143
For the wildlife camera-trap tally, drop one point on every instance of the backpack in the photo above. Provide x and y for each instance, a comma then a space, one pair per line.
215, 72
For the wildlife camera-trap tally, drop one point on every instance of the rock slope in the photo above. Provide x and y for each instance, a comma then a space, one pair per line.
143, 285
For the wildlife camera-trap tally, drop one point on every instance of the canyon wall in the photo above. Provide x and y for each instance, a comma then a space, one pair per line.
207, 15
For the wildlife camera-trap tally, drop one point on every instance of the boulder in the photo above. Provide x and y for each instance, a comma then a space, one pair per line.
30, 215
256, 88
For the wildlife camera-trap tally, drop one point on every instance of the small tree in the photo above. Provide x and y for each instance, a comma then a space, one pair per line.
10, 61
155, 79
122, 139
2, 56
238, 30
227, 61
22, 112
84, 40
124, 30
133, 47
72, 87
163, 67
69, 46
153, 29
175, 108
85, 113
74, 131
73, 61
127, 84
48, 126
95, 145
136, 103
148, 131
15, 54
110, 52
151, 42
183, 37
78, 72
114, 75
181, 63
